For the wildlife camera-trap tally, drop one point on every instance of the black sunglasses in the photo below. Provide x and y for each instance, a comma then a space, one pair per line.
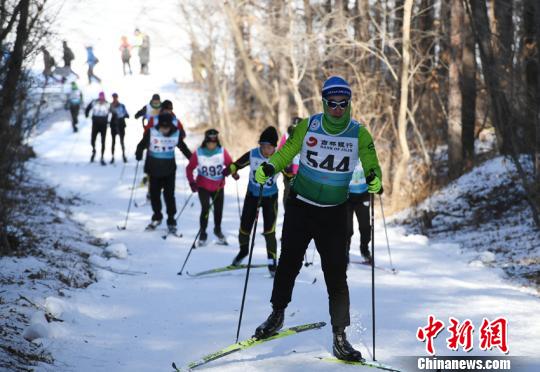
334, 104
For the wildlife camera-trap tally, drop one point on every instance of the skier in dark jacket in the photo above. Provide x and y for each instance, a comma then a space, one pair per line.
160, 165
267, 145
119, 115
100, 115
149, 110
330, 145
68, 55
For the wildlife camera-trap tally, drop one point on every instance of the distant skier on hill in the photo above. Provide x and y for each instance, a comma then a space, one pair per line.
253, 158
210, 160
68, 55
92, 61
125, 54
100, 114
73, 104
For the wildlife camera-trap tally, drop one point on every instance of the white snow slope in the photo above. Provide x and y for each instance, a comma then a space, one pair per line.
149, 316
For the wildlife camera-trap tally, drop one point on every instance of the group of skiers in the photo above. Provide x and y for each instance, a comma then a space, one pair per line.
141, 42
330, 167
323, 159
104, 114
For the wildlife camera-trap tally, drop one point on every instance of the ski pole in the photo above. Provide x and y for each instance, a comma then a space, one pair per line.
372, 205
370, 178
130, 198
198, 233
184, 206
238, 200
386, 233
259, 201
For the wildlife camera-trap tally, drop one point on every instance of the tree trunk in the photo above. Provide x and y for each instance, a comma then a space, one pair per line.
403, 104
455, 159
503, 117
502, 27
8, 99
468, 89
530, 61
537, 147
251, 77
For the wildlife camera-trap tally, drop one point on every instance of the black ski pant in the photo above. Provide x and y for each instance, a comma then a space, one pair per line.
99, 127
74, 111
120, 130
269, 206
358, 204
166, 184
91, 75
328, 227
125, 63
206, 197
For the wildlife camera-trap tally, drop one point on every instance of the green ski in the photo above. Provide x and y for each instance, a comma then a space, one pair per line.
246, 344
224, 269
364, 363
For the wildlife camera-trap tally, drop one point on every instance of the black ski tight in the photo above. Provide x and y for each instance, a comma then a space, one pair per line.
358, 204
167, 185
327, 226
205, 197
100, 128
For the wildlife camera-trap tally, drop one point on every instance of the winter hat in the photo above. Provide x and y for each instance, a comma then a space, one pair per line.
211, 135
336, 86
269, 136
101, 95
166, 105
165, 120
155, 97
115, 95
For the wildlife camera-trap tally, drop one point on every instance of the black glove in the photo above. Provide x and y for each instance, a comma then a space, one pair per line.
268, 169
138, 155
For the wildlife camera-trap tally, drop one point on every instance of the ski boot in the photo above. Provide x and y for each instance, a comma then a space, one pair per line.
103, 161
203, 239
221, 238
93, 156
112, 160
124, 158
272, 266
152, 226
343, 349
270, 325
171, 225
364, 251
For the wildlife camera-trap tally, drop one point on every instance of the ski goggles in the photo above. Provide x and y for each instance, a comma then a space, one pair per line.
335, 104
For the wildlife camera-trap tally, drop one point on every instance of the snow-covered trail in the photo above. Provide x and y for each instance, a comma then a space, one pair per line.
147, 319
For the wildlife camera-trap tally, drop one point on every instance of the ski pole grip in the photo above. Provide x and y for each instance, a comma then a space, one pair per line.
371, 176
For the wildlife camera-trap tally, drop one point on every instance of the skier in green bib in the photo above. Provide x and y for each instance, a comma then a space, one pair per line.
330, 145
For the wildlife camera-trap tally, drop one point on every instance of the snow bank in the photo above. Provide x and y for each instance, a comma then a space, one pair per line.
118, 250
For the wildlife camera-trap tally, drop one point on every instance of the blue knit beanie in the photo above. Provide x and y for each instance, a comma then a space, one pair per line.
336, 86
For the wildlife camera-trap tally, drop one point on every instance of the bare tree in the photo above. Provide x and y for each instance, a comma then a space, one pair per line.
403, 104
468, 88
455, 155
